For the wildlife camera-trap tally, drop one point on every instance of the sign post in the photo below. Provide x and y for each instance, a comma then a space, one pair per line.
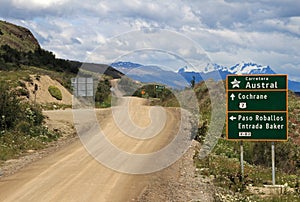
242, 160
273, 163
257, 110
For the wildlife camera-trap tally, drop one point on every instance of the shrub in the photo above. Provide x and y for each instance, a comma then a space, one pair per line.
10, 108
55, 92
23, 92
103, 92
21, 125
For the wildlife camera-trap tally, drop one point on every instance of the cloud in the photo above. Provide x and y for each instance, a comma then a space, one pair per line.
37, 4
230, 31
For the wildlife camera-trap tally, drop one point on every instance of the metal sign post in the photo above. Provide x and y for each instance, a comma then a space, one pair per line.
273, 163
242, 160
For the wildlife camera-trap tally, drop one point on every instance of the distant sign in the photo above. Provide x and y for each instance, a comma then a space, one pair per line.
257, 107
159, 88
83, 86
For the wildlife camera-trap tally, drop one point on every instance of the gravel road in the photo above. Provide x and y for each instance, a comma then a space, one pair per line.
72, 174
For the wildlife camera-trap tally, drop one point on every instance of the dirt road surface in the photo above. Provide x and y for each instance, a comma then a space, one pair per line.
71, 174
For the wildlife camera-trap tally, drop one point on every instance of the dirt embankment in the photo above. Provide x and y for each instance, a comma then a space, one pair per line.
42, 94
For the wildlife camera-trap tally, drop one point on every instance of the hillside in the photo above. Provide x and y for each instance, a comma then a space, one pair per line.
22, 58
42, 94
17, 37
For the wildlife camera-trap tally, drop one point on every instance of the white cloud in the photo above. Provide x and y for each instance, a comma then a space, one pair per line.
37, 4
231, 31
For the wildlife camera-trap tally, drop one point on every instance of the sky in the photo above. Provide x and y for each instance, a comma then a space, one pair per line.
266, 32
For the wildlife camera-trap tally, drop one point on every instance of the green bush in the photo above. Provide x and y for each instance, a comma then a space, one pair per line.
102, 96
55, 92
10, 107
21, 124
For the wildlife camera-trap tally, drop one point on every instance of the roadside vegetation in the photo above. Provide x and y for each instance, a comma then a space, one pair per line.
21, 125
165, 98
223, 163
103, 94
22, 122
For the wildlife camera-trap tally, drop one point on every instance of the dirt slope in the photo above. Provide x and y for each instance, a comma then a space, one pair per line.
43, 96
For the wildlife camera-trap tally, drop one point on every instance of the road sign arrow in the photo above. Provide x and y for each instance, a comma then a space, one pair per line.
232, 118
232, 96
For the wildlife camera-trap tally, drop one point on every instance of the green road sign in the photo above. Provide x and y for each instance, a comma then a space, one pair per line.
159, 88
257, 101
257, 107
257, 82
262, 126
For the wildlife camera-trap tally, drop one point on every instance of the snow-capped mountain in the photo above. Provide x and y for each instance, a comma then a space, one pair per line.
213, 71
127, 65
250, 68
241, 68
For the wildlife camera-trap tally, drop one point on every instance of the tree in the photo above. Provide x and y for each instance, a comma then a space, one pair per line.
103, 91
193, 81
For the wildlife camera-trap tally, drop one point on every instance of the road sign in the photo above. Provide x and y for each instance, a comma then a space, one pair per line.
257, 82
83, 86
159, 88
262, 126
257, 107
257, 100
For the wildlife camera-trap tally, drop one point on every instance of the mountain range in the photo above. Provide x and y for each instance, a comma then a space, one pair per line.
183, 76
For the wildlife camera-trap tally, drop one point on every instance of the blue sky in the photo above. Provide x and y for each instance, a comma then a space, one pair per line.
228, 31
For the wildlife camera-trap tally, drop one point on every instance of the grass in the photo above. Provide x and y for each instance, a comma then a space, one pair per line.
55, 106
224, 165
13, 77
226, 172
15, 143
62, 77
105, 104
55, 92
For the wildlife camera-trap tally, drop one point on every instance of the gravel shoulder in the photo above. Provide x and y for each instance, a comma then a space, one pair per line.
180, 182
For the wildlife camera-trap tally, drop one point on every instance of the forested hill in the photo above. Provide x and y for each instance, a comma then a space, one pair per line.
17, 37
18, 47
